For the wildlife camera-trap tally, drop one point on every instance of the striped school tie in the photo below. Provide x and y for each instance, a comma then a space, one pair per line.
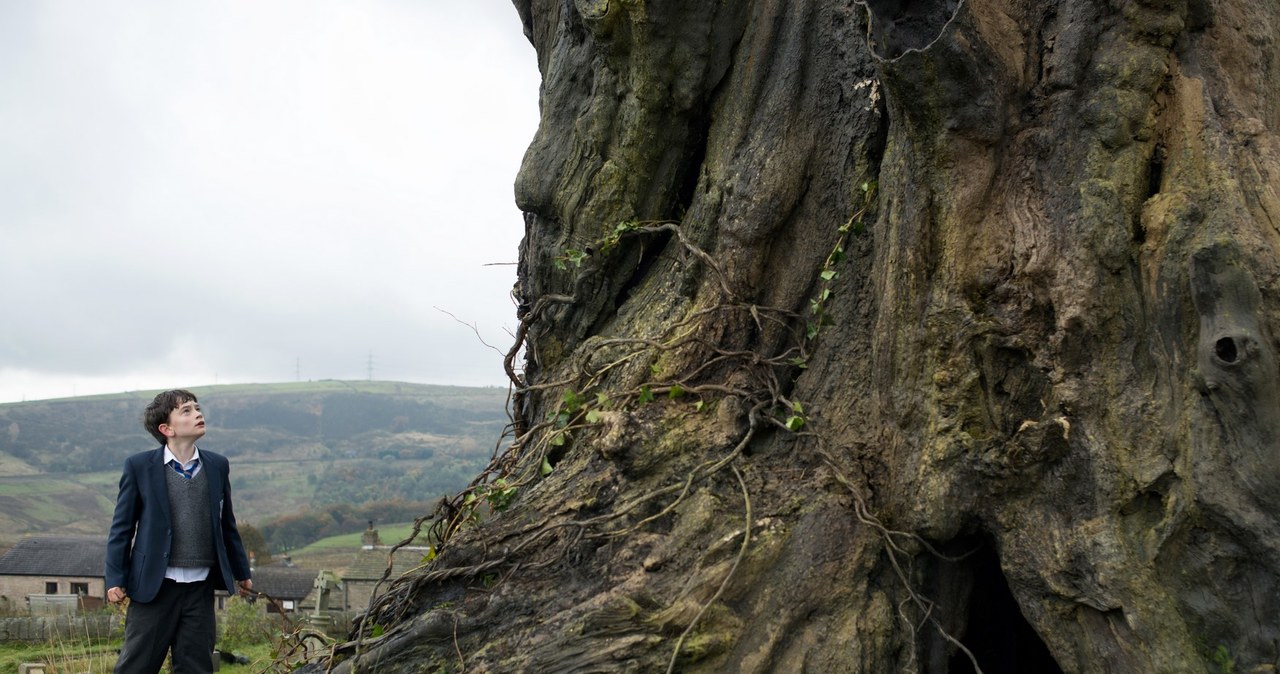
186, 472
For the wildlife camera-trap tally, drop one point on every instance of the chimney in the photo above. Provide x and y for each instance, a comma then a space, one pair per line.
370, 538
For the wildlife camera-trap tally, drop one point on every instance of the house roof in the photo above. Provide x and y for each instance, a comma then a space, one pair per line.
55, 556
284, 582
369, 564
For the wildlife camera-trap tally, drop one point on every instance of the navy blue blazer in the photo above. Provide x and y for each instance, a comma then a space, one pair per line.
141, 534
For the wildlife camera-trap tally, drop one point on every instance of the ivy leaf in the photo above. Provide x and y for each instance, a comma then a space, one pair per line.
646, 395
557, 440
675, 392
572, 401
699, 406
593, 416
795, 423
828, 274
545, 469
377, 631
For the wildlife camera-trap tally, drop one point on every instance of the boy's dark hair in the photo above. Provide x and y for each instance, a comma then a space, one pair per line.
158, 411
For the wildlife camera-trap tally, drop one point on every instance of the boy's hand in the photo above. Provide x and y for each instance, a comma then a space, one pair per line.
116, 595
246, 587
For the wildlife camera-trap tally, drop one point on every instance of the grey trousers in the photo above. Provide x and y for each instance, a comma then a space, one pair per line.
179, 619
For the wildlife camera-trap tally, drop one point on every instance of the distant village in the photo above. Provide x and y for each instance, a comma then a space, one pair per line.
63, 575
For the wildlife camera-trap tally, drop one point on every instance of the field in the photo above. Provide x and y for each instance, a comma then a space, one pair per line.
295, 448
390, 534
335, 553
76, 657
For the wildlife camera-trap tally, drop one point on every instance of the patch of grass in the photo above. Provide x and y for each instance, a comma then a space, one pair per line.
259, 657
109, 479
62, 655
27, 488
71, 656
11, 465
389, 533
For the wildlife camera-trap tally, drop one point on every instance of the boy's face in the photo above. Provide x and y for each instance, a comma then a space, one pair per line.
185, 422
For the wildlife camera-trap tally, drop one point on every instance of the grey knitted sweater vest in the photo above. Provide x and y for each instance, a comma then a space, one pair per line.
189, 508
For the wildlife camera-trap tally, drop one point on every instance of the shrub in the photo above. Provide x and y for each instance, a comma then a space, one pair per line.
244, 624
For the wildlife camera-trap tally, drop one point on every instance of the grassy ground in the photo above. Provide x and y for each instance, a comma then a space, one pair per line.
75, 658
244, 629
389, 533
337, 552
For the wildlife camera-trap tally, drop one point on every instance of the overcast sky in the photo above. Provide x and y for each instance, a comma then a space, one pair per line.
235, 191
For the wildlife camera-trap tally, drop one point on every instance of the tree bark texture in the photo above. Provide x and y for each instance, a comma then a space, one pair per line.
896, 335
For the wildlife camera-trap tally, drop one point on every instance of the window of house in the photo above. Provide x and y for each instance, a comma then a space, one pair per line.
283, 606
51, 587
81, 589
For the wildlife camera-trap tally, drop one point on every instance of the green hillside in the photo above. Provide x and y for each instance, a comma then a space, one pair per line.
295, 448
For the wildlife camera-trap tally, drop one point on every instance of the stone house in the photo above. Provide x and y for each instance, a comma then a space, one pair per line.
53, 574
64, 574
369, 565
367, 568
287, 585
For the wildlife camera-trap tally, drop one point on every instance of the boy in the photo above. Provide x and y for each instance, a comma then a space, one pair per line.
173, 541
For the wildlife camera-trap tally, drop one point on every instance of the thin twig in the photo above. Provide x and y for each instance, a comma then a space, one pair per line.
462, 662
473, 329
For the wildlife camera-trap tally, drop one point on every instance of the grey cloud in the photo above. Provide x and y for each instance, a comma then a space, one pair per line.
250, 189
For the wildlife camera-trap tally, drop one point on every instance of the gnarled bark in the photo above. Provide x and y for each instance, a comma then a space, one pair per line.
884, 336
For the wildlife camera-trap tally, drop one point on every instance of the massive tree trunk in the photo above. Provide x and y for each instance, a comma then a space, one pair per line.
897, 335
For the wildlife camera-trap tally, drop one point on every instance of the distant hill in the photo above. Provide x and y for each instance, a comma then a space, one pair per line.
295, 448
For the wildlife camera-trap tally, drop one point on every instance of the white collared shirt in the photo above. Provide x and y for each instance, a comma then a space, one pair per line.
185, 574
